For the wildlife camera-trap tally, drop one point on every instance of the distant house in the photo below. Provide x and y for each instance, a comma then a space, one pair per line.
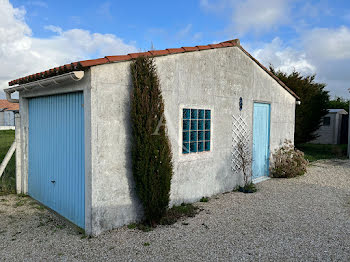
334, 128
7, 112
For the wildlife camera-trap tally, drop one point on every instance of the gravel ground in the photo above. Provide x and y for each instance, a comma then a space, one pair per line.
299, 219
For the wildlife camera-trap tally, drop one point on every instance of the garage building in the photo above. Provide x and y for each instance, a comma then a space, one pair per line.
75, 129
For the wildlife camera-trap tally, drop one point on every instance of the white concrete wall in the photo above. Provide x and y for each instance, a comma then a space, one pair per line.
2, 118
213, 79
7, 118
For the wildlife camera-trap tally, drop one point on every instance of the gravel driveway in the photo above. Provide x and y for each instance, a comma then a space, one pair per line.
300, 219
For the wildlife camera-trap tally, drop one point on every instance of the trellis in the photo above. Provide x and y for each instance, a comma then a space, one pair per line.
240, 132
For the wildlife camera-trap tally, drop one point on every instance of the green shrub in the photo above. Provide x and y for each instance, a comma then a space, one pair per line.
151, 153
288, 162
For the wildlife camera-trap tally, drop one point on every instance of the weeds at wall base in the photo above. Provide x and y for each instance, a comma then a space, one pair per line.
173, 215
204, 199
249, 188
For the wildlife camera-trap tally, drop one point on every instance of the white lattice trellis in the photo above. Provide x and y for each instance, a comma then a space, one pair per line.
240, 132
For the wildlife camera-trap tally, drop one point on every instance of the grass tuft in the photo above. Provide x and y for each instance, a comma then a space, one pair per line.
132, 226
204, 199
177, 212
249, 188
8, 179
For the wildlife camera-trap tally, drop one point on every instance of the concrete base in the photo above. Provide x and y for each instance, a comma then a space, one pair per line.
260, 179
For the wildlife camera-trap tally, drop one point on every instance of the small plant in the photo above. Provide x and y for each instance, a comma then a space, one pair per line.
141, 226
171, 216
41, 208
288, 162
132, 226
146, 244
244, 162
7, 182
22, 195
236, 188
204, 199
144, 227
20, 203
177, 212
248, 188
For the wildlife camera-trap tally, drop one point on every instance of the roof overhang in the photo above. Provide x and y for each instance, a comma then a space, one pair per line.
59, 79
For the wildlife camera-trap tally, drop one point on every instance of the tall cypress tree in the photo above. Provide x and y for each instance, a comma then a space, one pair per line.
151, 153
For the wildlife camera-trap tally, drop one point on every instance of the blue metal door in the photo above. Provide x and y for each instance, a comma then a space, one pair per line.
56, 174
261, 140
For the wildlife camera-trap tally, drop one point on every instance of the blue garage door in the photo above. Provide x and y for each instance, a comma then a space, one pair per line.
56, 154
261, 140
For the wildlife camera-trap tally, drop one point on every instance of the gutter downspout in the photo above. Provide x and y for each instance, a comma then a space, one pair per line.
75, 76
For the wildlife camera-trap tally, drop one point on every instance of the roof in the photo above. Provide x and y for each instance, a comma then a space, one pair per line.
4, 104
85, 64
338, 111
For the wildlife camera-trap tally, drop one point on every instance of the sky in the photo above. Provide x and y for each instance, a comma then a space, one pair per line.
312, 37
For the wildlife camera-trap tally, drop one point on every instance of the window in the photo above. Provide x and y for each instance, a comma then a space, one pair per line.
196, 130
326, 121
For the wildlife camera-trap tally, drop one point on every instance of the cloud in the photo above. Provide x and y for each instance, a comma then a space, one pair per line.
283, 57
324, 52
21, 53
329, 49
254, 16
333, 44
260, 16
55, 29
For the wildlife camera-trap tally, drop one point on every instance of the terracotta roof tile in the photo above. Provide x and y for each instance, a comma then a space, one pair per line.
190, 48
159, 52
227, 44
116, 58
203, 47
9, 106
215, 45
175, 50
136, 55
93, 62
